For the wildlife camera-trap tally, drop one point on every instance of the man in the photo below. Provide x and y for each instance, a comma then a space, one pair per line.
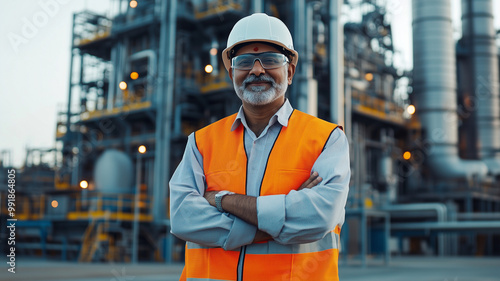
260, 195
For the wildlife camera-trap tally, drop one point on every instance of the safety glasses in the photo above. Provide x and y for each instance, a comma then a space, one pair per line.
267, 60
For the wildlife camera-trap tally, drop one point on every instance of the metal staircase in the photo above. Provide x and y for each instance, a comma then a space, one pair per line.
108, 241
96, 241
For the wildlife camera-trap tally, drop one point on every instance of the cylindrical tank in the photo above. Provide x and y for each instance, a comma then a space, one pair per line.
435, 87
114, 172
479, 37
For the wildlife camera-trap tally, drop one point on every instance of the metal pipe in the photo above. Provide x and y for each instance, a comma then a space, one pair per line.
440, 209
441, 214
311, 89
449, 226
164, 116
67, 136
214, 59
112, 83
257, 6
299, 90
479, 32
123, 59
434, 85
135, 236
479, 216
151, 56
178, 119
336, 50
157, 9
348, 110
119, 74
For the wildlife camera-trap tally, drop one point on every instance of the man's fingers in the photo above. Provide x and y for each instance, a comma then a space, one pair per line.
315, 182
311, 178
312, 181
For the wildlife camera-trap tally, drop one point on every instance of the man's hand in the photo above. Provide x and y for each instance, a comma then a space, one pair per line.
312, 181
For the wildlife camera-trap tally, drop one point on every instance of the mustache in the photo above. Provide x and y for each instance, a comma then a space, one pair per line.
262, 78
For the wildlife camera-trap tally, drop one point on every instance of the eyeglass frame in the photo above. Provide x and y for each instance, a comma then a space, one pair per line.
285, 61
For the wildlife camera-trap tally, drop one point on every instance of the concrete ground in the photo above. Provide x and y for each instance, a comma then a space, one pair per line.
400, 269
425, 269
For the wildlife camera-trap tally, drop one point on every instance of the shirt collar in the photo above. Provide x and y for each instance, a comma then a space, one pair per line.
282, 116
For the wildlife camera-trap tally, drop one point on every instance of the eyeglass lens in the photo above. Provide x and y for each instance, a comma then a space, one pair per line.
267, 60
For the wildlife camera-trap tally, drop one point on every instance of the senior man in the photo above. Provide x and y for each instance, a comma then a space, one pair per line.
260, 195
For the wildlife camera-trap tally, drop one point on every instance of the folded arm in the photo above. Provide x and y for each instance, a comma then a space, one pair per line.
193, 218
308, 215
245, 207
305, 215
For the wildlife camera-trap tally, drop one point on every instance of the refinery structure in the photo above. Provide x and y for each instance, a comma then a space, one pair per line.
425, 143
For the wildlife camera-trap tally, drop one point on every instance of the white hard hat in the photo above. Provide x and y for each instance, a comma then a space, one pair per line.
259, 27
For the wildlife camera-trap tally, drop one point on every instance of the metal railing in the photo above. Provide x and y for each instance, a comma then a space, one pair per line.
113, 206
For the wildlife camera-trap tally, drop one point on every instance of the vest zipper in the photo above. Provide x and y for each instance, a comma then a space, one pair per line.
241, 263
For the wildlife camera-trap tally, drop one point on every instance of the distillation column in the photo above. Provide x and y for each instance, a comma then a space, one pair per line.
435, 87
479, 37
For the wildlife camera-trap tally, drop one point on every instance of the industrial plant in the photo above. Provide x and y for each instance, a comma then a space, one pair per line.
424, 143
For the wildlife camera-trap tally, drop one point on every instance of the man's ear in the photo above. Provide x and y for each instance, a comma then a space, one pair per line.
231, 73
291, 72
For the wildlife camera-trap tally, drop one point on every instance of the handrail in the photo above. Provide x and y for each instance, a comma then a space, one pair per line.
118, 205
87, 238
440, 209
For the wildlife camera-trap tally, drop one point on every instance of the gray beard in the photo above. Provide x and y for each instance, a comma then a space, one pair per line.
257, 95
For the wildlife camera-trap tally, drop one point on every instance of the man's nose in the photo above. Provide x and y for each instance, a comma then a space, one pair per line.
257, 68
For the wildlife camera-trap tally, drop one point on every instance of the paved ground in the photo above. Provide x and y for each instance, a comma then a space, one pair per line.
426, 269
400, 269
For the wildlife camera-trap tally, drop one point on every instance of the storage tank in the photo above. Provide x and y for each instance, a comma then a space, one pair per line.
114, 173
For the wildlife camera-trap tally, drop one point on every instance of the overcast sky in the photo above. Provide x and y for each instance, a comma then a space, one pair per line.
35, 40
35, 45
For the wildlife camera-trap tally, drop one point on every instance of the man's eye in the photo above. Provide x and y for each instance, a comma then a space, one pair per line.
245, 62
270, 60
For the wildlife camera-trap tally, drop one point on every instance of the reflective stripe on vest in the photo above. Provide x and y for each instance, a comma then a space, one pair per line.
289, 164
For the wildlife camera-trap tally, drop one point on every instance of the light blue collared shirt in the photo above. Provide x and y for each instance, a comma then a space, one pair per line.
297, 217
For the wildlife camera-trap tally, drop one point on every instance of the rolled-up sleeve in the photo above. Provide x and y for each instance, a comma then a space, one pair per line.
192, 217
309, 214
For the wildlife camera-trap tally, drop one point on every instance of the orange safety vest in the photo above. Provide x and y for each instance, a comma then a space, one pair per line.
289, 164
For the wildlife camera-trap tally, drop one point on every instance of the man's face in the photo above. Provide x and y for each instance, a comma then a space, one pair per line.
259, 86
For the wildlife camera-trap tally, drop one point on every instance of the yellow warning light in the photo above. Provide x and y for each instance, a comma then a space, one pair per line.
213, 51
54, 203
142, 149
368, 203
133, 4
407, 155
134, 75
123, 85
209, 68
84, 184
411, 109
369, 76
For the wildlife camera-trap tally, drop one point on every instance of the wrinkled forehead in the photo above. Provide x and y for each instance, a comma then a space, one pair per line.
252, 48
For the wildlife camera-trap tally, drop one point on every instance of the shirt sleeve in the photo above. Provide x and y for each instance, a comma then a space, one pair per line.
309, 214
192, 217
